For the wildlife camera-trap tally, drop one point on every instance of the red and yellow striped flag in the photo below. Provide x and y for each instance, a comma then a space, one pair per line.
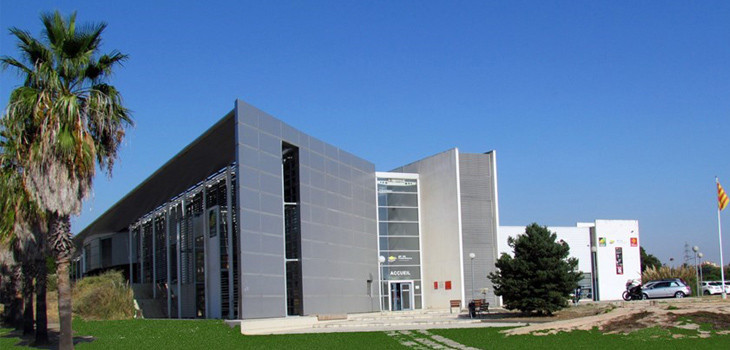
722, 199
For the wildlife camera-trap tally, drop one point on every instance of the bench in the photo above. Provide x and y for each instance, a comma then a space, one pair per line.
454, 304
481, 306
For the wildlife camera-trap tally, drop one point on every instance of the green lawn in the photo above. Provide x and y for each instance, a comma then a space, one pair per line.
213, 334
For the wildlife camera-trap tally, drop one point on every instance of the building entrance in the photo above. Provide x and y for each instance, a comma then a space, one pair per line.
401, 295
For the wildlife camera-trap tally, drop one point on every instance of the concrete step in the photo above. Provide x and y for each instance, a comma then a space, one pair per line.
405, 315
421, 322
271, 325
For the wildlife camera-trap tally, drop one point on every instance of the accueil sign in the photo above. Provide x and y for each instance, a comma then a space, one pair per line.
400, 273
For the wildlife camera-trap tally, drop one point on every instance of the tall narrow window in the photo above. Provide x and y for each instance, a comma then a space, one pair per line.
106, 252
292, 229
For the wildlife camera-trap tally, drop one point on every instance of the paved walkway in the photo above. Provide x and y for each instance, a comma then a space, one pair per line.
425, 340
368, 322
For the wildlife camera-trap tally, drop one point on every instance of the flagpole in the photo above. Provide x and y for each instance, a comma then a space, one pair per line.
719, 235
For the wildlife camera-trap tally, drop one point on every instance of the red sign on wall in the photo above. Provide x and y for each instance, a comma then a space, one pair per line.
634, 241
435, 285
448, 285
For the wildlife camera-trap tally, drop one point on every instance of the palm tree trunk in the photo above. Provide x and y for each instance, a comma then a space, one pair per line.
60, 241
28, 275
41, 312
16, 312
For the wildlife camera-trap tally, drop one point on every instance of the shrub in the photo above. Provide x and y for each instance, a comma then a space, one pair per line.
687, 273
51, 283
103, 297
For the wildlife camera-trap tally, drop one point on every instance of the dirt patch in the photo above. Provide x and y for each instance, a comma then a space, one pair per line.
627, 323
565, 314
625, 317
717, 321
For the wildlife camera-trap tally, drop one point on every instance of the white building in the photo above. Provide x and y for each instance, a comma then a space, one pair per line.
607, 252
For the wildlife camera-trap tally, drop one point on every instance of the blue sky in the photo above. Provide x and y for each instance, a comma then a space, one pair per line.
597, 110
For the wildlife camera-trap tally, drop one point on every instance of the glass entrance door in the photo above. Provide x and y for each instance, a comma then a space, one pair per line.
401, 295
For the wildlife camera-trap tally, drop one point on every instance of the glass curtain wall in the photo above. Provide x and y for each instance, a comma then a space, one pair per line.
180, 276
399, 242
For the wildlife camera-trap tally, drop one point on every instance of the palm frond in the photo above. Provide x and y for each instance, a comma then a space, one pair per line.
67, 118
6, 62
103, 66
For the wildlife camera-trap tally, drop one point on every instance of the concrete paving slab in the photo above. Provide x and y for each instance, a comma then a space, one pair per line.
368, 322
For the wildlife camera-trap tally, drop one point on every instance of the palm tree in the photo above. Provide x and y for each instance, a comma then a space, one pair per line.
22, 226
11, 289
69, 120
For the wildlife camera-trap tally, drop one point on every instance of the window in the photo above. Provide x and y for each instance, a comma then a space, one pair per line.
292, 229
106, 252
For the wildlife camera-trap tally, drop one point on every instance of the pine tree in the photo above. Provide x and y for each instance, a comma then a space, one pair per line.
540, 276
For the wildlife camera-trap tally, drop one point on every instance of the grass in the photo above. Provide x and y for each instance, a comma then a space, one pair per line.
213, 334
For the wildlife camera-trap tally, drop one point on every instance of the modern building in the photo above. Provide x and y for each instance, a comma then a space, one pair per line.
256, 219
607, 252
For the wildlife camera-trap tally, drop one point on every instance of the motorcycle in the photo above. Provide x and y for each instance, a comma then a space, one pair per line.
633, 291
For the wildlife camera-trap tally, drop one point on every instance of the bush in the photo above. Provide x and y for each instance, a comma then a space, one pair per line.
51, 283
687, 273
103, 297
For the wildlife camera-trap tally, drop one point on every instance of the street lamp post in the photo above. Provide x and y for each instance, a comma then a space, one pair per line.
700, 255
472, 256
472, 304
696, 249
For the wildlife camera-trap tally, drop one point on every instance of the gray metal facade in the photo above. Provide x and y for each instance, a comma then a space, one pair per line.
338, 221
459, 207
239, 164
478, 221
98, 259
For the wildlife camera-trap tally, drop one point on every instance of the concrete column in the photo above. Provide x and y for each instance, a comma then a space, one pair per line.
141, 251
154, 258
167, 258
205, 246
181, 215
131, 264
229, 251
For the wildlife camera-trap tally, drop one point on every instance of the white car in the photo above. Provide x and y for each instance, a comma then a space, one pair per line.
727, 286
711, 287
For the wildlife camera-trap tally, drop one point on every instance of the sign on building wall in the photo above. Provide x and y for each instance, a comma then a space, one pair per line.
402, 258
401, 272
396, 182
619, 261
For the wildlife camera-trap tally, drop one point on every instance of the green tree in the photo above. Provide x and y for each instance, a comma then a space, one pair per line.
68, 120
540, 276
648, 260
712, 273
21, 229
